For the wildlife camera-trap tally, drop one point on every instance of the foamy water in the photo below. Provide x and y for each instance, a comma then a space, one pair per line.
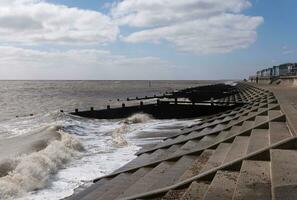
86, 149
50, 154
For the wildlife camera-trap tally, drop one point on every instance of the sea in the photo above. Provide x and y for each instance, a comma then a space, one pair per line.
47, 154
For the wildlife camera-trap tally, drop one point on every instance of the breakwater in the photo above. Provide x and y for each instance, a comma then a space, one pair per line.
187, 103
247, 152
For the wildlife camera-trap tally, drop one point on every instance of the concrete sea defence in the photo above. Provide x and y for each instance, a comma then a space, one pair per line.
246, 152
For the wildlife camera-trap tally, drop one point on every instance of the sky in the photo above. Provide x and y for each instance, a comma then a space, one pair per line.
144, 39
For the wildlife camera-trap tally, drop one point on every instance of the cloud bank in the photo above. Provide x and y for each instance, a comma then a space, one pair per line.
196, 26
78, 64
34, 21
43, 40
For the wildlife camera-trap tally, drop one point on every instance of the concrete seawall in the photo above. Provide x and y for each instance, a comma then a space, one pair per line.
245, 152
282, 80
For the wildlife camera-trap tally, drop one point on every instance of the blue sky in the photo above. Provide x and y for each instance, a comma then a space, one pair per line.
188, 39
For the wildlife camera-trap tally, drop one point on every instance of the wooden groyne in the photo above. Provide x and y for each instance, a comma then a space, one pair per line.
245, 152
187, 103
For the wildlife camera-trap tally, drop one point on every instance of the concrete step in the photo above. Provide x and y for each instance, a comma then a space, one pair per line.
253, 113
197, 165
254, 181
195, 191
140, 161
101, 189
199, 133
135, 162
196, 144
172, 194
222, 186
241, 117
260, 119
163, 153
278, 131
246, 125
173, 174
283, 174
221, 136
171, 141
147, 181
218, 157
234, 130
274, 113
261, 109
238, 148
88, 193
217, 121
272, 105
233, 121
218, 127
178, 138
117, 188
227, 118
259, 139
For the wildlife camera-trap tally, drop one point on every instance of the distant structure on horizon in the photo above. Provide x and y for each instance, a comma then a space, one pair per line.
271, 74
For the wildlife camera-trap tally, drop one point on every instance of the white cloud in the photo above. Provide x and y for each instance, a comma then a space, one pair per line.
198, 26
163, 12
36, 21
20, 63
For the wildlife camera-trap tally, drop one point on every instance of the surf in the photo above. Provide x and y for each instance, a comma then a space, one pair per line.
32, 170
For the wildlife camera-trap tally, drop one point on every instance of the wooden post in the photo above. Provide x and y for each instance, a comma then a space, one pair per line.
92, 108
123, 105
175, 100
76, 110
211, 101
108, 107
158, 101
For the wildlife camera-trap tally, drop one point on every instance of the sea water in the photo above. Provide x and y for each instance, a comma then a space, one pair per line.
51, 154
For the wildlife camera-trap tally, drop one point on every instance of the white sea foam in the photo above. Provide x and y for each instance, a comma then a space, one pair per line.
117, 135
32, 172
56, 171
137, 118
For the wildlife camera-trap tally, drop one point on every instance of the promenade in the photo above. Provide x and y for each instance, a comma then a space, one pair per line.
248, 152
287, 98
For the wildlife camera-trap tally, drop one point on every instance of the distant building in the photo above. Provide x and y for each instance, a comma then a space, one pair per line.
275, 71
266, 72
285, 69
258, 73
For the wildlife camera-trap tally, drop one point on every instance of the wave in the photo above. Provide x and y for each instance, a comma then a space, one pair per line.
32, 171
137, 118
117, 134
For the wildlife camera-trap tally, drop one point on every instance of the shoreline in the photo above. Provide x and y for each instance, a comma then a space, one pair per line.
251, 137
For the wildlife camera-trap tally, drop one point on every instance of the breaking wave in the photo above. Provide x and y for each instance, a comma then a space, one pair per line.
117, 134
31, 172
53, 163
137, 118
